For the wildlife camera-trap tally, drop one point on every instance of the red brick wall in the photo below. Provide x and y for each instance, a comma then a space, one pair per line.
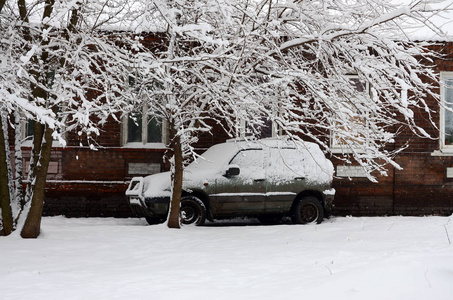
86, 182
422, 186
93, 182
86, 199
360, 196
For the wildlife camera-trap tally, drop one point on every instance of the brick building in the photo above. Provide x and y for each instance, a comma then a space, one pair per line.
425, 184
85, 182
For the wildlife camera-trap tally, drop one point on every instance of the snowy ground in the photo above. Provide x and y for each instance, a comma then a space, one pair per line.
342, 258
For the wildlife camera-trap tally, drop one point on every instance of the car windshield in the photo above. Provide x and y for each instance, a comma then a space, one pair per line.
216, 157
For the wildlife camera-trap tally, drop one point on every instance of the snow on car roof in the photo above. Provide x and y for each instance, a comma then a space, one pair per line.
220, 155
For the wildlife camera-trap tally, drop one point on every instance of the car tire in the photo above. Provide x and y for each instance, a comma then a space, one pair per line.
154, 220
307, 210
192, 211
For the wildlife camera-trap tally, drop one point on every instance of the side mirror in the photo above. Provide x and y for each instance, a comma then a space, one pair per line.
232, 171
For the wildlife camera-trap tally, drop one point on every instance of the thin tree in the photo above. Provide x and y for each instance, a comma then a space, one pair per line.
300, 64
55, 56
348, 75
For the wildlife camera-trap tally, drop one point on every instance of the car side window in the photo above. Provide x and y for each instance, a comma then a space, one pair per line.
250, 163
285, 164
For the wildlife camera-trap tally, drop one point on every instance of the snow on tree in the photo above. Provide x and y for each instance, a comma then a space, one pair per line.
343, 73
351, 73
194, 77
346, 74
52, 56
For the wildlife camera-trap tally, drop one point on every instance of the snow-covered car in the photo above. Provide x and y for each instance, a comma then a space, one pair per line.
267, 179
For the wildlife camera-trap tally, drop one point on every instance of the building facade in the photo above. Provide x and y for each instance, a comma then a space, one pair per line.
84, 182
424, 185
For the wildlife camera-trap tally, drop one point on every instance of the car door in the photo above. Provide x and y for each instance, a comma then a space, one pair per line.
242, 194
286, 176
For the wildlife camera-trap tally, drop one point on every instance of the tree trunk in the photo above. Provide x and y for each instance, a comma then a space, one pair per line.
177, 177
41, 153
18, 198
5, 200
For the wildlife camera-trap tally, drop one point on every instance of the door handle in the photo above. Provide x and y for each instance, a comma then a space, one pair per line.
259, 180
299, 178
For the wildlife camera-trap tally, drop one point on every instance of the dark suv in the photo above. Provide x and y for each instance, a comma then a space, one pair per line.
267, 179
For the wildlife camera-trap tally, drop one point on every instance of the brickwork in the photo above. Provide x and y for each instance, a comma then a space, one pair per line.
217, 135
93, 182
84, 182
360, 196
421, 187
86, 199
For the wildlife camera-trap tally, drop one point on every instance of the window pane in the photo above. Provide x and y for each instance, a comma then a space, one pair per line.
251, 163
29, 129
285, 163
266, 130
355, 121
448, 98
359, 86
134, 128
154, 132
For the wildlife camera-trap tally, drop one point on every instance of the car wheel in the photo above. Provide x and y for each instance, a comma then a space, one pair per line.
193, 211
307, 210
154, 220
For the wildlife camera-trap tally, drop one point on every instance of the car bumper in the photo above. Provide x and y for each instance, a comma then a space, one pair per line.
158, 205
149, 207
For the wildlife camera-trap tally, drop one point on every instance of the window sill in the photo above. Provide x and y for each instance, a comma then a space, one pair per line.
345, 151
351, 172
443, 152
139, 145
29, 144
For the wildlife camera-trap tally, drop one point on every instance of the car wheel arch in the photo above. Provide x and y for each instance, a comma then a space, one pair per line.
306, 193
203, 197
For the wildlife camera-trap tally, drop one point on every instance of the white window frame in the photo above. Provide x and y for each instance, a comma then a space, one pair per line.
343, 149
27, 139
275, 132
242, 131
144, 134
143, 143
443, 147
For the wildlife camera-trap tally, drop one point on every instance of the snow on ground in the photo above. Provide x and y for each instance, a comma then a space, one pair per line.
342, 258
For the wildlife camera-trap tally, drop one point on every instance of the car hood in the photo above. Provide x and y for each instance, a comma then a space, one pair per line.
159, 185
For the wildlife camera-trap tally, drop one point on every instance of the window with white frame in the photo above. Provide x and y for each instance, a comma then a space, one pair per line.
141, 128
339, 143
27, 133
447, 111
267, 130
27, 129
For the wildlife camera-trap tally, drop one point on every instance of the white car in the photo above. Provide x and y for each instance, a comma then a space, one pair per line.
267, 179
